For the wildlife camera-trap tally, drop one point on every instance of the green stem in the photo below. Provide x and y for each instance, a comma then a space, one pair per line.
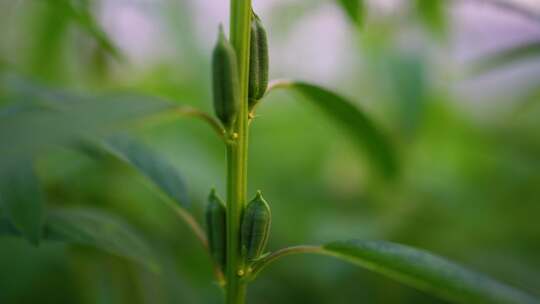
237, 154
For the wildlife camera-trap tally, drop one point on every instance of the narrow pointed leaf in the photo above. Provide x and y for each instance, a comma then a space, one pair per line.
21, 199
58, 118
507, 57
100, 230
85, 18
48, 40
355, 10
158, 170
363, 130
92, 228
7, 227
37, 117
81, 13
433, 14
427, 272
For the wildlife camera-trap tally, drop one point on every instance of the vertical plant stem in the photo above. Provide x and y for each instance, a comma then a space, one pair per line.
237, 154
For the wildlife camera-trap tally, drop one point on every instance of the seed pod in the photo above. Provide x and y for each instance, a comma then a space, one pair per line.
226, 86
255, 227
216, 229
258, 61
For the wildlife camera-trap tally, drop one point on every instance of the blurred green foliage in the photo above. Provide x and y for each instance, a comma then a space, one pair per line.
468, 187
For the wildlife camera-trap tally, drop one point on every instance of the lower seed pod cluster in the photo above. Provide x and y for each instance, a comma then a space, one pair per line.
255, 228
216, 219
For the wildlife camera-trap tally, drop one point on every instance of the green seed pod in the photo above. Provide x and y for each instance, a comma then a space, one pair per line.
216, 229
226, 85
255, 227
258, 61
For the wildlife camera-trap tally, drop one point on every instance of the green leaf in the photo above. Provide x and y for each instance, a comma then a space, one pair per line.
21, 199
92, 228
36, 118
408, 89
507, 57
80, 11
363, 130
83, 15
60, 118
426, 272
49, 35
355, 10
433, 14
7, 227
158, 170
100, 230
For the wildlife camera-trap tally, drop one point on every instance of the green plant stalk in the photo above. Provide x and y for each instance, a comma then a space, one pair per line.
237, 154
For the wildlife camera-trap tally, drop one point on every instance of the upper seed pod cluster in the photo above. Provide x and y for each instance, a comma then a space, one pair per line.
258, 61
226, 85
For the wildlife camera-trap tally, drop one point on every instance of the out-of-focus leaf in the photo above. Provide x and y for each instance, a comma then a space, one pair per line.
100, 230
363, 130
515, 7
63, 118
7, 227
150, 164
83, 15
50, 32
51, 35
507, 57
433, 14
22, 199
38, 118
408, 82
92, 228
427, 272
528, 106
51, 39
22, 95
355, 9
80, 12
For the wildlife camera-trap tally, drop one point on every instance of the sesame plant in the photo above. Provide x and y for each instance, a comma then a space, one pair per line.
236, 228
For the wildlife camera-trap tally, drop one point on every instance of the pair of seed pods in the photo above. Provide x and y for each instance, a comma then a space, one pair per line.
254, 229
226, 84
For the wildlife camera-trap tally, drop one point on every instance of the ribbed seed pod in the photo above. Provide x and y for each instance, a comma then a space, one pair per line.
216, 229
255, 227
226, 85
258, 61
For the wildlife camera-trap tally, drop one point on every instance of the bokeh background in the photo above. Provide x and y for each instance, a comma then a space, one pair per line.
468, 141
